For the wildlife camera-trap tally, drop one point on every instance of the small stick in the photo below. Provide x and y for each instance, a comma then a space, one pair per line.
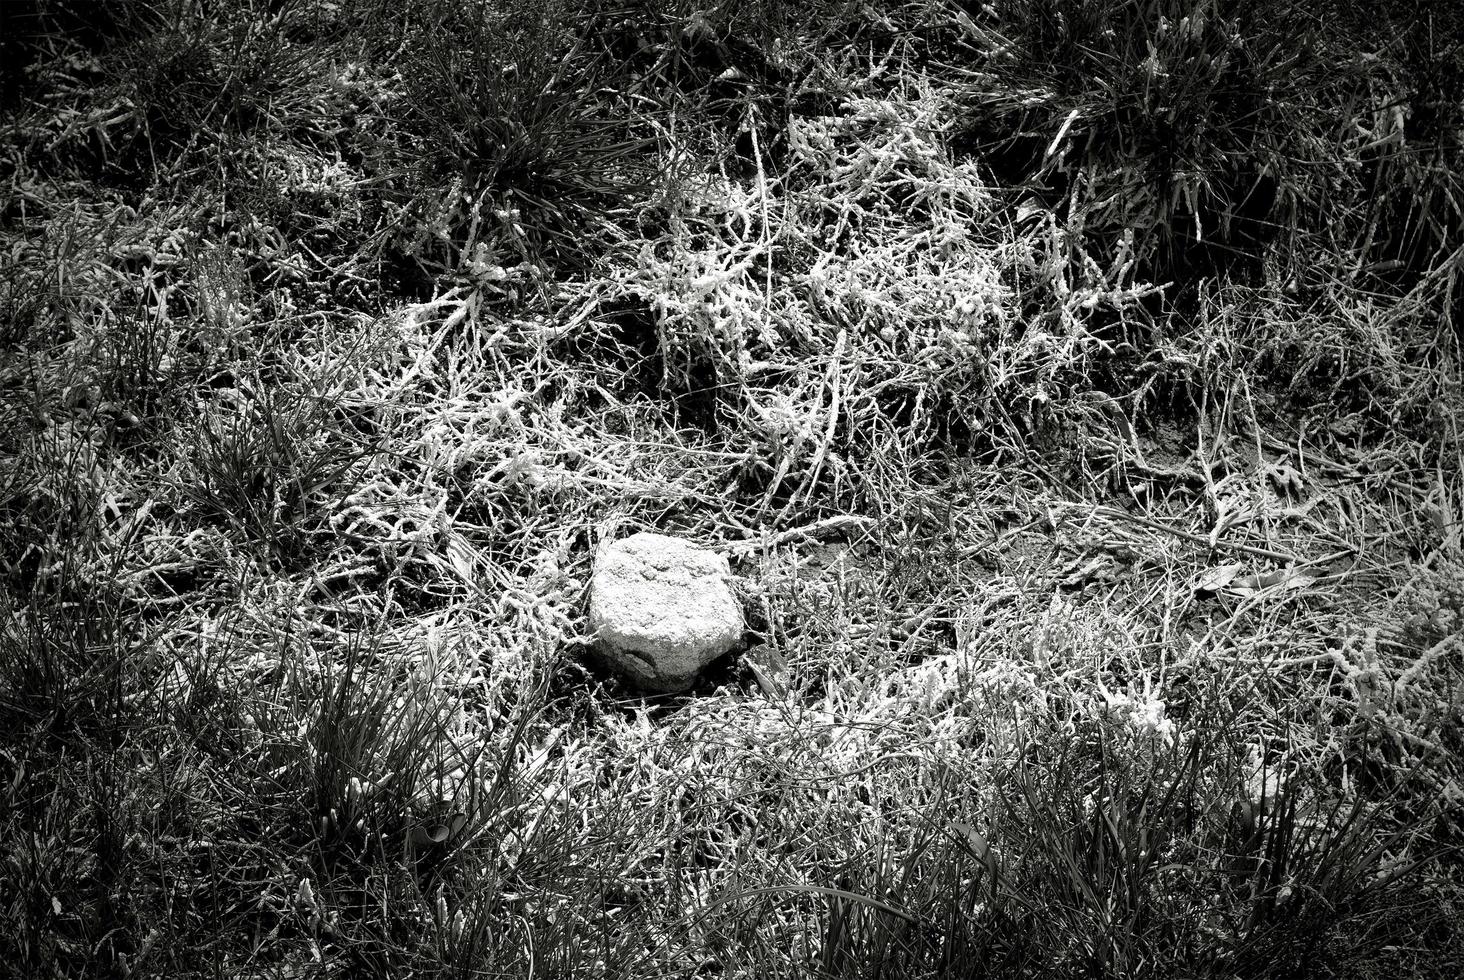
1196, 538
836, 384
815, 530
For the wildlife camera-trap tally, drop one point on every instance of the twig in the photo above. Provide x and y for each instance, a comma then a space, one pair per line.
1191, 536
836, 384
815, 530
1406, 679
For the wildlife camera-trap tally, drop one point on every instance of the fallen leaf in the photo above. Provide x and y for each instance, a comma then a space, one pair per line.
1285, 578
1217, 578
436, 833
769, 669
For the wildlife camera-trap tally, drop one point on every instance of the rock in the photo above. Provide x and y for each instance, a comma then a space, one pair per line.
662, 609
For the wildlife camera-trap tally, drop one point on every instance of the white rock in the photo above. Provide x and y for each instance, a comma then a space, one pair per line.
662, 609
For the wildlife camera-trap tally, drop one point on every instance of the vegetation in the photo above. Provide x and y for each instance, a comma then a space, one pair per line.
1076, 385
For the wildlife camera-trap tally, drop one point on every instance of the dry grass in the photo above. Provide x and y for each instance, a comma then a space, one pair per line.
1112, 604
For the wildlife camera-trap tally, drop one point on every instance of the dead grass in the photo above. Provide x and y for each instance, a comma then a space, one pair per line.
1115, 622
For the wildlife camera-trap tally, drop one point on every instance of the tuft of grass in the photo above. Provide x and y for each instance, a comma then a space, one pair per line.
265, 464
1220, 129
527, 148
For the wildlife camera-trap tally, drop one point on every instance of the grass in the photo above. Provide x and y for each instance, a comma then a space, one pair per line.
1074, 386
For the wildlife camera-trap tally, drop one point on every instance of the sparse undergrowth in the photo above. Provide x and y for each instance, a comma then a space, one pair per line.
1076, 386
